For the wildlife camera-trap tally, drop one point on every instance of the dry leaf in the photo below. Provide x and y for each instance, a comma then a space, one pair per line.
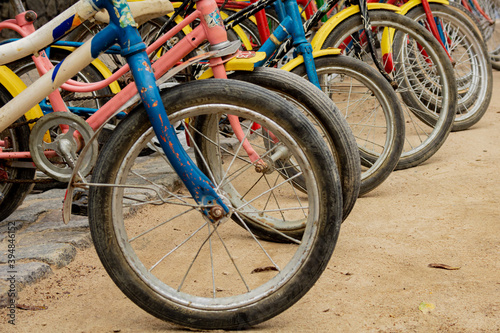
31, 307
443, 266
426, 307
264, 269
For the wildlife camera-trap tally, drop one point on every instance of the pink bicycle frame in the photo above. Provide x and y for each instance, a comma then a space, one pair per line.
214, 32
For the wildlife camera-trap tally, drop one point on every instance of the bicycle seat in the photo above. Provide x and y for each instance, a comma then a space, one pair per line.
142, 11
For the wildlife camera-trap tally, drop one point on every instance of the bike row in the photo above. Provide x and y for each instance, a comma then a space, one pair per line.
275, 163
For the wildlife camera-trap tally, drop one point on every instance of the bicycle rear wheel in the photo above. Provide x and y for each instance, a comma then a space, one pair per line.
423, 137
167, 257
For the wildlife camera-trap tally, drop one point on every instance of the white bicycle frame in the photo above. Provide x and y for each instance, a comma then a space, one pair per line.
75, 62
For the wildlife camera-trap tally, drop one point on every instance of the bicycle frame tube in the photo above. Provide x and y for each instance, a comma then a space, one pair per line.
476, 6
290, 25
133, 49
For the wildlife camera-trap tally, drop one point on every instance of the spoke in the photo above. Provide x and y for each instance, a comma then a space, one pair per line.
269, 190
240, 171
159, 225
214, 290
271, 194
251, 187
269, 227
178, 246
209, 170
234, 158
232, 260
258, 243
217, 144
161, 188
196, 256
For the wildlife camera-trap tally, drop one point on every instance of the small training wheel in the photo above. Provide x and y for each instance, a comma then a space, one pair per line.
63, 142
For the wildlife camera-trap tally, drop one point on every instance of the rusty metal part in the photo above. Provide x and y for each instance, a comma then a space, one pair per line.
27, 122
261, 167
42, 180
216, 212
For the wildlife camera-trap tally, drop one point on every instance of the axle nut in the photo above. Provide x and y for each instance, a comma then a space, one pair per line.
216, 212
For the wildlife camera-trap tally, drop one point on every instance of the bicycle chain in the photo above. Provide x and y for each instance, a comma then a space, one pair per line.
84, 98
24, 181
22, 123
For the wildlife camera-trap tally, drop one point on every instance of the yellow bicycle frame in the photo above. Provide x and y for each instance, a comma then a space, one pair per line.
334, 21
316, 54
247, 64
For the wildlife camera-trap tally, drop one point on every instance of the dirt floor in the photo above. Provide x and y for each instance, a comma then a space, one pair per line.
446, 211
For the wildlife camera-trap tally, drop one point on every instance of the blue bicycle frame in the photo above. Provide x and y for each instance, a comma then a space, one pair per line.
122, 30
290, 25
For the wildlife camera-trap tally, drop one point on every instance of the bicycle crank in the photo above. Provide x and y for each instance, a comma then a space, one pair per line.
63, 128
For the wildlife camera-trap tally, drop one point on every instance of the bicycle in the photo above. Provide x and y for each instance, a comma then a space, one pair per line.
285, 136
364, 98
319, 110
427, 126
458, 34
322, 112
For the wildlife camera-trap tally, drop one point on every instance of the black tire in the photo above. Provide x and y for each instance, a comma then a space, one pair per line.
376, 118
251, 305
422, 139
13, 194
473, 72
321, 111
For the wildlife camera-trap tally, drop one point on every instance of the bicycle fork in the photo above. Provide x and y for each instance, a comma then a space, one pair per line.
133, 48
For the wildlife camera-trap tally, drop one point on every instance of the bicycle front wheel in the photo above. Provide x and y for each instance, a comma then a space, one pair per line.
472, 64
168, 258
324, 114
418, 64
370, 107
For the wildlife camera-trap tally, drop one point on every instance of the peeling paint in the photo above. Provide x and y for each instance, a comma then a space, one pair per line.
126, 19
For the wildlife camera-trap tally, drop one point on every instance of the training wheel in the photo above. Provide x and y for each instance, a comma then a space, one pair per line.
63, 142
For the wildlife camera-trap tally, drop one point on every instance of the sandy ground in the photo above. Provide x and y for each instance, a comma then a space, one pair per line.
444, 211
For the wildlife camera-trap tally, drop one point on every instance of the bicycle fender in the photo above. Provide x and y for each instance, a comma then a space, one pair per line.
327, 28
101, 68
316, 54
14, 85
404, 9
244, 61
